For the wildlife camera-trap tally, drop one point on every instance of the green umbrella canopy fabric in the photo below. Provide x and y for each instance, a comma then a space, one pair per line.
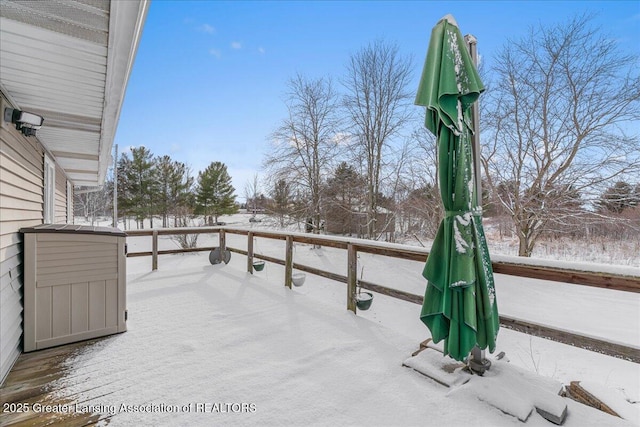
460, 302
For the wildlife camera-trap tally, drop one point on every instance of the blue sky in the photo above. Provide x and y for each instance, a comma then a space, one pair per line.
209, 76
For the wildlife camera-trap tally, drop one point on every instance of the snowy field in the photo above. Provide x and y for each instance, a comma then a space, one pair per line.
216, 333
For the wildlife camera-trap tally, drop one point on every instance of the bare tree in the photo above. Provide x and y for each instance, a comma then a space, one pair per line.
554, 125
305, 143
420, 205
92, 203
377, 104
251, 193
393, 185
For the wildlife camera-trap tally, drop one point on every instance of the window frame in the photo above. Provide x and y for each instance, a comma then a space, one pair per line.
69, 202
49, 190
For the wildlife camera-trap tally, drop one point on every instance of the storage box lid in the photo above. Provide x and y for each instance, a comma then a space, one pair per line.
72, 228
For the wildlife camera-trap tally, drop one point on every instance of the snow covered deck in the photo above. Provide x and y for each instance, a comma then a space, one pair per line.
214, 345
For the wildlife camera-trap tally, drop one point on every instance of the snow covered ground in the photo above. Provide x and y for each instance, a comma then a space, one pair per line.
217, 335
214, 345
559, 305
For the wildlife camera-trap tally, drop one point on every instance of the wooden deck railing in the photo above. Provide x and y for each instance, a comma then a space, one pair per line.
354, 246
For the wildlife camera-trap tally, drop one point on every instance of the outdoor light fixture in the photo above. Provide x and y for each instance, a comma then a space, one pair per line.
27, 123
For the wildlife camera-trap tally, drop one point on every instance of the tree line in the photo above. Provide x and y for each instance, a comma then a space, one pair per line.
151, 186
558, 134
352, 154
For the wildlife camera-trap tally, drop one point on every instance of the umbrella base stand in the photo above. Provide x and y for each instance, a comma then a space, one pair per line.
430, 362
479, 367
478, 364
510, 389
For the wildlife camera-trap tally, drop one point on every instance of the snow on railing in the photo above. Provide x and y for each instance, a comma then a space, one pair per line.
513, 266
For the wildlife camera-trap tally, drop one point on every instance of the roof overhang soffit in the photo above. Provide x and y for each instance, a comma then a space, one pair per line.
125, 30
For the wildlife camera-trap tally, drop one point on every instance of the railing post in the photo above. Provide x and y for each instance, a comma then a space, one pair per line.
223, 242
352, 276
154, 250
288, 263
250, 252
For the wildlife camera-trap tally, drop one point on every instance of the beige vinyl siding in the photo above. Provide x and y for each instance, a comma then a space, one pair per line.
60, 197
70, 216
21, 205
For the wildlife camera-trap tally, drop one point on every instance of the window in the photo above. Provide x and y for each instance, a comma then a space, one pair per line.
49, 190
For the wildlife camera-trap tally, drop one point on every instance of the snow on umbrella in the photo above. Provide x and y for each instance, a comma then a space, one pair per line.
460, 303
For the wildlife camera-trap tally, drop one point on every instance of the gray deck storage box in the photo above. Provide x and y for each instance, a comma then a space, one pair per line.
74, 284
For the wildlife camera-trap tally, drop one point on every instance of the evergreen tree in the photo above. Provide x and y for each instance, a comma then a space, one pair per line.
181, 197
174, 184
618, 198
164, 167
125, 200
214, 195
345, 194
281, 195
136, 184
347, 186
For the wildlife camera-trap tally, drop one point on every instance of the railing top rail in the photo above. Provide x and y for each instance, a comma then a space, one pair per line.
626, 280
173, 231
333, 241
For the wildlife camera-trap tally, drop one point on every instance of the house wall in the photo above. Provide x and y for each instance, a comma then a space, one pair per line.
21, 205
60, 204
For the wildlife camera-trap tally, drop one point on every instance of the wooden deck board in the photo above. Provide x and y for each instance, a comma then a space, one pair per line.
34, 381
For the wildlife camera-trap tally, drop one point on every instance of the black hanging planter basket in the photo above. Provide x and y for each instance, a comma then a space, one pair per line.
258, 265
364, 300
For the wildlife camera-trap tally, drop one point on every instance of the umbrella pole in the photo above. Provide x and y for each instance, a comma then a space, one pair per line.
475, 119
477, 362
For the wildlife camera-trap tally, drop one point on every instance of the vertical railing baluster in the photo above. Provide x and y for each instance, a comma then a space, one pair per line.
352, 276
288, 264
154, 250
250, 252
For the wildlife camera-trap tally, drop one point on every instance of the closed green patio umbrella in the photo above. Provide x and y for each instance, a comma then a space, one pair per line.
460, 302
